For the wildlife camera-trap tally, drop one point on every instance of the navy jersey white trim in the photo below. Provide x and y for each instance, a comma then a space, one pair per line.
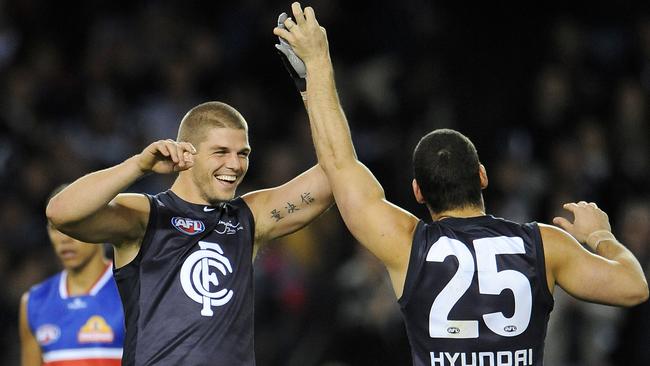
188, 294
476, 292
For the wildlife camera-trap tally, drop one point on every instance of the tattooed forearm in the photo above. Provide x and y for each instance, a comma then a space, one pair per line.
276, 215
291, 208
306, 198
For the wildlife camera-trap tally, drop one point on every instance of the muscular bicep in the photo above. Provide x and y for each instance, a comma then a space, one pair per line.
124, 219
282, 210
382, 227
30, 351
581, 273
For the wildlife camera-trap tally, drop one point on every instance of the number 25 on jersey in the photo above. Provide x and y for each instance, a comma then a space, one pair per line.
490, 282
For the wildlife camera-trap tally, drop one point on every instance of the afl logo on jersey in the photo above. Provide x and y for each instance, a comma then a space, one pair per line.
47, 334
200, 277
188, 226
453, 330
510, 328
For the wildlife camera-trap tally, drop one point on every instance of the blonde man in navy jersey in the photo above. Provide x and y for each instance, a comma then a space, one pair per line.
183, 257
473, 289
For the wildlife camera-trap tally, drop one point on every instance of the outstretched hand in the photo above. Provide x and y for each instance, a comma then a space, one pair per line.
166, 156
306, 37
588, 219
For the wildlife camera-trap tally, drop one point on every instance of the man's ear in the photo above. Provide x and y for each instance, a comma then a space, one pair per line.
483, 175
417, 192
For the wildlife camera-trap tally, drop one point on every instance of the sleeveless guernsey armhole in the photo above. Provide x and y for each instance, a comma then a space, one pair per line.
28, 312
125, 270
541, 262
240, 203
418, 245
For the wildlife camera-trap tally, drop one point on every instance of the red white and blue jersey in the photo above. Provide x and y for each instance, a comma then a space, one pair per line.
77, 330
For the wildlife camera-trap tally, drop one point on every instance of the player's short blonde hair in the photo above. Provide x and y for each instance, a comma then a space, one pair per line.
206, 116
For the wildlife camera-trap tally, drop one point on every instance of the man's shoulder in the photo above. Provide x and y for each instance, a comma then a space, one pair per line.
45, 287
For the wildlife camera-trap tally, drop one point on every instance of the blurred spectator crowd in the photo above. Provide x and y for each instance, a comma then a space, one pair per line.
557, 102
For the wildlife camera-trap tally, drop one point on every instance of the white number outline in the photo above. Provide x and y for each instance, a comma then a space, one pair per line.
491, 281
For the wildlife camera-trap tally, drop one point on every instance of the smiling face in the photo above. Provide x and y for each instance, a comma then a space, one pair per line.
73, 254
220, 135
221, 163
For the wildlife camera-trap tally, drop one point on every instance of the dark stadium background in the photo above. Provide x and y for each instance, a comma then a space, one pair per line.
556, 98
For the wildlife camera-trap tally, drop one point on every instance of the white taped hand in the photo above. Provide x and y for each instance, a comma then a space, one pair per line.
284, 47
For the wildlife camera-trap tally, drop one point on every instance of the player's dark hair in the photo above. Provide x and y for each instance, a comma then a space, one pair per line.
209, 115
446, 167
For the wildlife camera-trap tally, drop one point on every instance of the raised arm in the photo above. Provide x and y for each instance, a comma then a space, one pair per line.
92, 209
382, 227
610, 276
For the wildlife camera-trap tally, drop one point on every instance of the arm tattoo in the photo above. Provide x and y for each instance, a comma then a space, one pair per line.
306, 198
276, 215
291, 208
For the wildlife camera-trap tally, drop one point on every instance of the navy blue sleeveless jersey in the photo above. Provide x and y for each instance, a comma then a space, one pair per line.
476, 293
188, 294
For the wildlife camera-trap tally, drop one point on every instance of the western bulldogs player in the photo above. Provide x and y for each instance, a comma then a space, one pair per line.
74, 317
473, 289
183, 257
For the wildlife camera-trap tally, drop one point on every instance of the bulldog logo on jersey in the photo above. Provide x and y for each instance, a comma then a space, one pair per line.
96, 330
188, 226
47, 334
199, 277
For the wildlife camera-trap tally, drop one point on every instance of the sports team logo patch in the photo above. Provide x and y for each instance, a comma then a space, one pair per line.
200, 275
188, 226
228, 228
96, 330
47, 334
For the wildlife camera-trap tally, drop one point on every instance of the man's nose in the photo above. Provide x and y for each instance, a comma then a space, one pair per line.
233, 162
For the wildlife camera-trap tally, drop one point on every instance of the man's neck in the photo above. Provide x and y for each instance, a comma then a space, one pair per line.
459, 212
81, 281
186, 191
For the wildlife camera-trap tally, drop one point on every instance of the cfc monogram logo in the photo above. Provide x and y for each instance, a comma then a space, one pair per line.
199, 277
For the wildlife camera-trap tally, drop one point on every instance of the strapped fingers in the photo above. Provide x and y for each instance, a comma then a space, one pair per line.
297, 13
289, 24
283, 33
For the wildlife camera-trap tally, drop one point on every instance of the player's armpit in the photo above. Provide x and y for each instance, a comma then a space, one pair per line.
591, 277
122, 220
30, 351
287, 208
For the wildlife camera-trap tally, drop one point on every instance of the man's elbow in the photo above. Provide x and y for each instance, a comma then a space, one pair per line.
640, 295
645, 293
55, 213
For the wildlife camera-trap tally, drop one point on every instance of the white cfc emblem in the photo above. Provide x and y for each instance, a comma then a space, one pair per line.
199, 271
